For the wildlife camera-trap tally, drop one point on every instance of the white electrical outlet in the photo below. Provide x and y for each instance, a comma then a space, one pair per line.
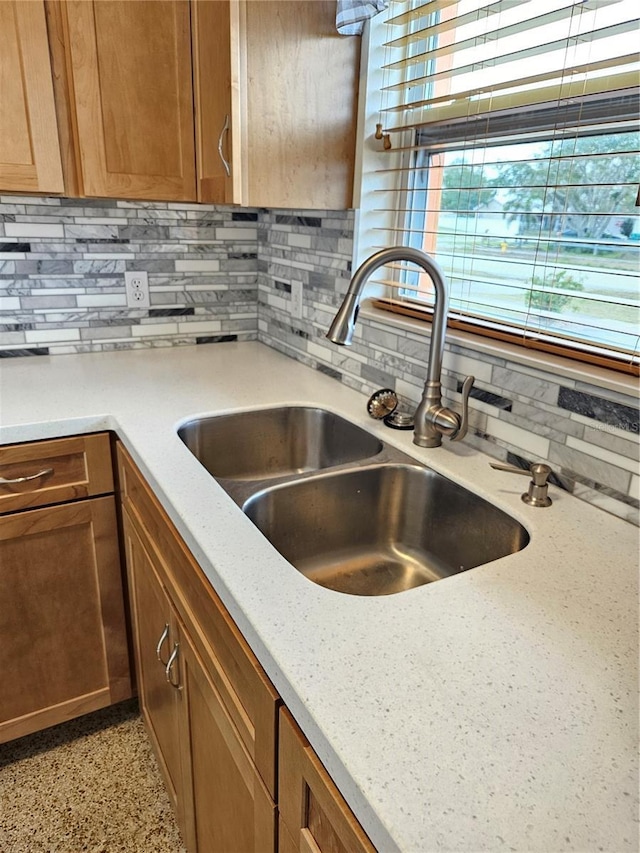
296, 299
137, 286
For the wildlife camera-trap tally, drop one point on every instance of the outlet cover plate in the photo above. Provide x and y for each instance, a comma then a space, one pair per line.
137, 287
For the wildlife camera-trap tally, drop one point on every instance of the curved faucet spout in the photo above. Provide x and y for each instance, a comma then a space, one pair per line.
432, 419
341, 330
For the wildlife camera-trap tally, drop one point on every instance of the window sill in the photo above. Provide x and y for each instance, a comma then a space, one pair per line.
567, 368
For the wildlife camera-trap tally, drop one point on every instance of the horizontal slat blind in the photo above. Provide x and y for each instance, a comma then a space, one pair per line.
511, 156
481, 58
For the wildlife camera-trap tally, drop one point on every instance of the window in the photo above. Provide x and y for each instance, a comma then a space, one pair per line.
509, 151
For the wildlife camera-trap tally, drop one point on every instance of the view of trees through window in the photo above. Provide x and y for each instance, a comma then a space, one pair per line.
544, 235
511, 137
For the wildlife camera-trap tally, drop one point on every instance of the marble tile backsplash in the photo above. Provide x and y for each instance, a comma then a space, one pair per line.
588, 435
218, 273
62, 264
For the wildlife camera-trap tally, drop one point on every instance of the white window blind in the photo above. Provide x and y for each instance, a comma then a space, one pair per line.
508, 149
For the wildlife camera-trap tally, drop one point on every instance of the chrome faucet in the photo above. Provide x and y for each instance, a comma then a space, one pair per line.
432, 419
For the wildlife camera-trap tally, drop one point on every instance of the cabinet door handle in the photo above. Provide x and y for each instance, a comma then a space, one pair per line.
163, 638
169, 668
225, 162
43, 473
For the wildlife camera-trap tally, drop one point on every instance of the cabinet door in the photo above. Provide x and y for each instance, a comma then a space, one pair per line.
155, 637
248, 695
316, 817
64, 646
300, 92
283, 83
133, 98
211, 24
286, 844
232, 808
29, 148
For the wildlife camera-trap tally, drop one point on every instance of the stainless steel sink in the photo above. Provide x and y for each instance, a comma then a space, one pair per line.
382, 529
376, 524
269, 443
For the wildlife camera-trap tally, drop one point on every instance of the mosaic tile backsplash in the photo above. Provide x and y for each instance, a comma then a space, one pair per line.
219, 274
62, 264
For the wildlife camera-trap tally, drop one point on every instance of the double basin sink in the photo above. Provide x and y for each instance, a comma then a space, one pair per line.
350, 512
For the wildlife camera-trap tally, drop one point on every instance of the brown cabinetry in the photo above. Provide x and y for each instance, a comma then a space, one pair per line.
129, 68
29, 149
216, 84
283, 111
314, 817
155, 640
232, 809
62, 618
39, 473
294, 118
211, 712
210, 709
247, 102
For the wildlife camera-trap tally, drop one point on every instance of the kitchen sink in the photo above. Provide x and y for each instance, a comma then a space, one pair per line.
377, 523
269, 443
382, 529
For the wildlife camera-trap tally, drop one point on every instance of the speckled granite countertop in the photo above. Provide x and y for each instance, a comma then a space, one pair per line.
493, 710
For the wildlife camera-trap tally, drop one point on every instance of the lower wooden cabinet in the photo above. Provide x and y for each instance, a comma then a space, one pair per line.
209, 709
313, 814
286, 844
212, 714
220, 801
227, 749
155, 640
62, 623
232, 809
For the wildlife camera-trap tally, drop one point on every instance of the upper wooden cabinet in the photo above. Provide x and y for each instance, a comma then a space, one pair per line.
276, 95
296, 109
212, 23
129, 67
249, 102
29, 150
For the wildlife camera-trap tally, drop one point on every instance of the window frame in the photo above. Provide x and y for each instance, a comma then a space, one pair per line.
600, 112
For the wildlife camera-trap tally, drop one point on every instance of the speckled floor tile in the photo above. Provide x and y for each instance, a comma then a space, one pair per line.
88, 785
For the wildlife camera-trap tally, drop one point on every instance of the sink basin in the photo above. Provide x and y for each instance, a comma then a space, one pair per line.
267, 443
382, 529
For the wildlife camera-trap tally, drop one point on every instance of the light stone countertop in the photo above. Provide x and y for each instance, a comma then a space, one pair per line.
493, 710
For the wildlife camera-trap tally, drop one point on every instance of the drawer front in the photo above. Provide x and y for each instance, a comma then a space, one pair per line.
249, 697
41, 473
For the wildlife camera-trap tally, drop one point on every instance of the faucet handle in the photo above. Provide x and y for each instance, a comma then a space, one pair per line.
460, 433
539, 485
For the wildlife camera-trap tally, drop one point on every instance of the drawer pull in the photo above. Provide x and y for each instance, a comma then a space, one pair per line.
169, 668
15, 480
161, 642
